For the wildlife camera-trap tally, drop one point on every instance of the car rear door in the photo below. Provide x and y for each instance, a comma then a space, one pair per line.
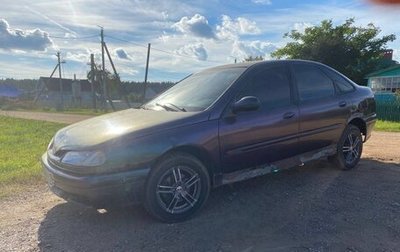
267, 134
323, 114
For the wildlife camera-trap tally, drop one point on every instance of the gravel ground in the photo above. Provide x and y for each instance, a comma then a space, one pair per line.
310, 208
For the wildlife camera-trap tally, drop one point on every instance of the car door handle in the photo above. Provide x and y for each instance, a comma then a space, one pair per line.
342, 104
288, 115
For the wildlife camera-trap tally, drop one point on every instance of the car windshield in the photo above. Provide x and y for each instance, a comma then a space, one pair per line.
196, 92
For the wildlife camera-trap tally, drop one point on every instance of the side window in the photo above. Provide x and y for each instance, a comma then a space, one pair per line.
312, 83
271, 87
343, 85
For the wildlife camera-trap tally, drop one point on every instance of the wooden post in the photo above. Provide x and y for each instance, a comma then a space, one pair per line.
146, 72
92, 79
116, 75
61, 87
103, 72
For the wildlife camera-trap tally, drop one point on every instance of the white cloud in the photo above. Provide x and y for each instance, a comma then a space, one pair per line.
69, 35
231, 29
301, 26
122, 54
244, 49
264, 2
196, 25
197, 50
24, 40
82, 56
78, 57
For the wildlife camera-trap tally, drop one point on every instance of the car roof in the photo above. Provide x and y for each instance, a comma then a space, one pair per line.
258, 63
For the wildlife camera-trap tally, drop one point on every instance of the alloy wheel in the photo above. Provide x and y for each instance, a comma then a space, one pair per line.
178, 189
352, 148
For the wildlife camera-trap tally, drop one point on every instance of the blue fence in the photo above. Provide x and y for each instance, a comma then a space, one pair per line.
388, 107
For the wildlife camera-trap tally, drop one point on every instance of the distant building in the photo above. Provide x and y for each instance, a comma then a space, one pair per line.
385, 83
75, 93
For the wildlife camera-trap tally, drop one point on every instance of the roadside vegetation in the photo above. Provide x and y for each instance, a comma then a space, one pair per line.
352, 50
387, 126
22, 142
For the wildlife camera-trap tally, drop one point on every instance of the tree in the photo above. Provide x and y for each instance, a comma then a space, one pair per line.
111, 80
353, 51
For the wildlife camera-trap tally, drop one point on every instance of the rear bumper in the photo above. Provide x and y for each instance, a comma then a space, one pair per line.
122, 188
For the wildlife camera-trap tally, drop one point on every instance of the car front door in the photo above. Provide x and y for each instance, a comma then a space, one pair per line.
323, 114
251, 138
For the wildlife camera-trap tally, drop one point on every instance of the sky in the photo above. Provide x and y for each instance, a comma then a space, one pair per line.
185, 36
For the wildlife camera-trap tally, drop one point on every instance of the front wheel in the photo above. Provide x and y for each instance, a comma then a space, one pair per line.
177, 187
349, 148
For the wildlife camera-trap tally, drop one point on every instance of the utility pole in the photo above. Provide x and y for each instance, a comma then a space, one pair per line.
92, 79
117, 76
61, 87
104, 76
103, 72
146, 72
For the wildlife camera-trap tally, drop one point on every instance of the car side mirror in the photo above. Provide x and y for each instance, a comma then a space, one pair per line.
247, 103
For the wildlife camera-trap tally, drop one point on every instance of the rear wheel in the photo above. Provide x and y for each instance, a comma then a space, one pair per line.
349, 148
177, 188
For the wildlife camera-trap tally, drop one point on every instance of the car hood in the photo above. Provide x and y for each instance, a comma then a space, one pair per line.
130, 123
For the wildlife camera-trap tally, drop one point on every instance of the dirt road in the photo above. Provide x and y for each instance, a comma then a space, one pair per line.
43, 116
310, 208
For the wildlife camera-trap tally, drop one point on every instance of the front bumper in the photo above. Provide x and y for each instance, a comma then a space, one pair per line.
102, 190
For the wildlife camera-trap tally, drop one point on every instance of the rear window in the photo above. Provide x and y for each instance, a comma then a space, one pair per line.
312, 83
343, 85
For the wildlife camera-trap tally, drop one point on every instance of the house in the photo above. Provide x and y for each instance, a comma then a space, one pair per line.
385, 83
75, 93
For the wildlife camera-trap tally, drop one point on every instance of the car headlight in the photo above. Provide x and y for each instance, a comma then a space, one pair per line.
84, 158
50, 144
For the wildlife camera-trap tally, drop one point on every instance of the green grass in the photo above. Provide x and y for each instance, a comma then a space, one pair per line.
22, 142
387, 126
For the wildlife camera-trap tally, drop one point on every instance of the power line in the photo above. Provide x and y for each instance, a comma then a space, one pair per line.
127, 41
156, 49
73, 38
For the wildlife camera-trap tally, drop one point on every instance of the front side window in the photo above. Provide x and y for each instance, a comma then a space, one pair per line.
271, 87
312, 83
197, 92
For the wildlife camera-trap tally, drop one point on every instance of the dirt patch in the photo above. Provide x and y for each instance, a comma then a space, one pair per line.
383, 146
310, 208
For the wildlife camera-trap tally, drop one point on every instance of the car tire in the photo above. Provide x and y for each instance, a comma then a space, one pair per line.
349, 148
177, 188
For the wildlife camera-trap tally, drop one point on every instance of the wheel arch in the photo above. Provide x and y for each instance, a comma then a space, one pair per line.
359, 123
196, 151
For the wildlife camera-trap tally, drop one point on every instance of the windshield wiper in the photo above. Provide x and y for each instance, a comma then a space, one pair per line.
170, 107
178, 108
